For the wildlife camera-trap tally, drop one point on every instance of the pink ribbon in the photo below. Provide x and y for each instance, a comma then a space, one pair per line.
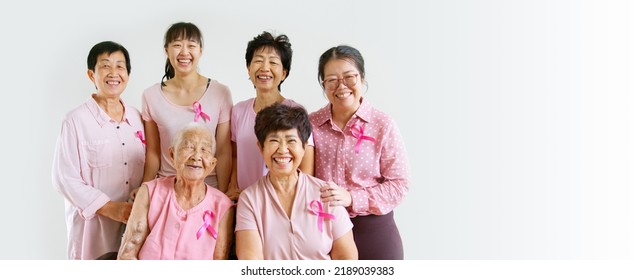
320, 214
207, 216
139, 135
198, 109
360, 136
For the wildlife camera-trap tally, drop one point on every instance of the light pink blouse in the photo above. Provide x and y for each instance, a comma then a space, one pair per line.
296, 238
251, 165
216, 102
173, 230
96, 160
377, 175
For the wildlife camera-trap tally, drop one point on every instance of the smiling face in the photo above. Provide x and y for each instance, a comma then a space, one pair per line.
184, 55
192, 154
265, 70
110, 75
343, 97
283, 152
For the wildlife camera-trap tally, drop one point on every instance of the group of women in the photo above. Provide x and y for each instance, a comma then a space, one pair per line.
308, 186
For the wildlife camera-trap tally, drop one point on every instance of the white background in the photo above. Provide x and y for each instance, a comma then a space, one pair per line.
517, 115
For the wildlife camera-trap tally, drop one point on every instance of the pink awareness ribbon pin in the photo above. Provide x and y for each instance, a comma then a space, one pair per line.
320, 214
207, 216
198, 109
360, 136
139, 135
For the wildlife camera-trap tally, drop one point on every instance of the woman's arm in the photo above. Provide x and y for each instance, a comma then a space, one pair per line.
308, 162
223, 154
225, 235
393, 183
233, 190
116, 210
249, 245
137, 229
344, 248
153, 151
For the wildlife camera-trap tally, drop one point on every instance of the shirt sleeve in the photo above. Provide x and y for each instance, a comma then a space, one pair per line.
392, 186
67, 170
341, 224
226, 106
145, 108
245, 214
310, 140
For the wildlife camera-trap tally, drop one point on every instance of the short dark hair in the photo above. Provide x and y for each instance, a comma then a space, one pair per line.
341, 52
107, 47
279, 43
179, 30
282, 117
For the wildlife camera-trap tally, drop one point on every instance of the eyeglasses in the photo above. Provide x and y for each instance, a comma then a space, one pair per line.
348, 80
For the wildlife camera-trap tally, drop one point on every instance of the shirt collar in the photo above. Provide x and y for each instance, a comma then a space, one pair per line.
364, 113
100, 115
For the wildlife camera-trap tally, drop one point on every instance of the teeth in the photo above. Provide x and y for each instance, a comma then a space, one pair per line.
282, 160
343, 95
264, 77
184, 60
113, 82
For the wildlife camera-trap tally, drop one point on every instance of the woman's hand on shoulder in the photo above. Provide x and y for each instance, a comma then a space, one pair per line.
335, 195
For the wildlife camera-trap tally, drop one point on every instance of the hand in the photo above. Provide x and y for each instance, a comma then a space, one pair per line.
233, 191
133, 194
233, 194
118, 211
335, 195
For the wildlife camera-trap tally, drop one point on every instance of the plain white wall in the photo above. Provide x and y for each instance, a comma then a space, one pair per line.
516, 114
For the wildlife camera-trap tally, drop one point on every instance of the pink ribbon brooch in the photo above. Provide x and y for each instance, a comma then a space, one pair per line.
320, 214
198, 110
207, 217
139, 134
358, 133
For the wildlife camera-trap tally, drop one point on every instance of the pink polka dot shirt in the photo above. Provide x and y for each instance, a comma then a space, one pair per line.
367, 158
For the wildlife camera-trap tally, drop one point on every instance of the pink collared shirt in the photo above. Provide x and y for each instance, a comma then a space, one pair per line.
96, 160
376, 176
297, 237
250, 164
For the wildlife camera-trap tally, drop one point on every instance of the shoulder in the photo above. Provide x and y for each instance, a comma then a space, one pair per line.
219, 87
311, 181
160, 186
133, 111
153, 89
79, 113
218, 196
291, 102
377, 113
257, 189
243, 104
320, 116
378, 118
76, 112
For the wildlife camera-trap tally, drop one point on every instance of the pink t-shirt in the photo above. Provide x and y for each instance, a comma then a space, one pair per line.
96, 160
170, 118
377, 175
297, 238
251, 165
173, 230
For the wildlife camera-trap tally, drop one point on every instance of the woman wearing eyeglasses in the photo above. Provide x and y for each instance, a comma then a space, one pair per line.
360, 149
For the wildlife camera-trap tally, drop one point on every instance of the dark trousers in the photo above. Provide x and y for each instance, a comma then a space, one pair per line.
377, 237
